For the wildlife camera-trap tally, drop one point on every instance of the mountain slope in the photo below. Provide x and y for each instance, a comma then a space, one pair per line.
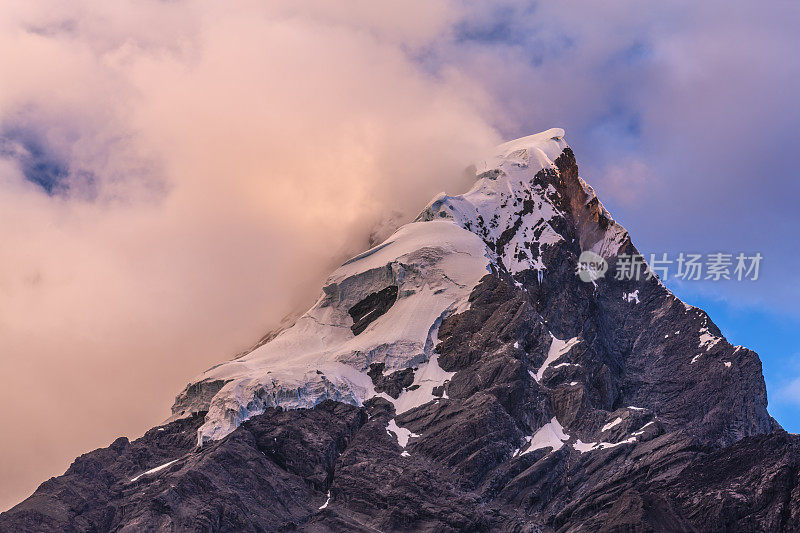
463, 376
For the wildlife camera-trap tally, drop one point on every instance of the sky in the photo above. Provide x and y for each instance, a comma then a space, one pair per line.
176, 177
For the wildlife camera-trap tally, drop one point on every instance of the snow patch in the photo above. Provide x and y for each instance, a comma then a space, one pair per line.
707, 339
631, 296
427, 377
557, 349
550, 435
584, 447
401, 434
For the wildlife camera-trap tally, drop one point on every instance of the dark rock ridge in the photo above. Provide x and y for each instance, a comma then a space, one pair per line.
652, 422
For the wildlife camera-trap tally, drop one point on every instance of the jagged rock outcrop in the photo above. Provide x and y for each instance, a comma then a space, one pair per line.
463, 376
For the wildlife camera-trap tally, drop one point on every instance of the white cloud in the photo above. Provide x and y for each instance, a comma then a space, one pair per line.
790, 392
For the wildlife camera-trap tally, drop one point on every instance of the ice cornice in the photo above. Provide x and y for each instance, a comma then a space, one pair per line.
540, 148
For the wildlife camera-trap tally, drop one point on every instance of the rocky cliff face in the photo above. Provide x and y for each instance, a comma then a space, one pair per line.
462, 376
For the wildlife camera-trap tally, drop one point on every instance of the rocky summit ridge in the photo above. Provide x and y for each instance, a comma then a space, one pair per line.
462, 376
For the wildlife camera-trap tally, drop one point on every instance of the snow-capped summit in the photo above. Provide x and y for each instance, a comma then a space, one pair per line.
505, 222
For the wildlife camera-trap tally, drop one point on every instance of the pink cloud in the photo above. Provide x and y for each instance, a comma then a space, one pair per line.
238, 153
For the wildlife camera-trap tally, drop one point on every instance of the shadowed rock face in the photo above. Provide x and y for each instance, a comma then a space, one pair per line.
571, 408
371, 307
277, 470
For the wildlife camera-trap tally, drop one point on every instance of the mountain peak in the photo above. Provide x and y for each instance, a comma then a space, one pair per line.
462, 360
544, 147
550, 142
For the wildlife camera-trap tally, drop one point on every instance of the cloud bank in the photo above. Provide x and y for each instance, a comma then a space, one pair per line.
177, 176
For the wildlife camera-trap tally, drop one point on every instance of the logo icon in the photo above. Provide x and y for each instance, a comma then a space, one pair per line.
591, 266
